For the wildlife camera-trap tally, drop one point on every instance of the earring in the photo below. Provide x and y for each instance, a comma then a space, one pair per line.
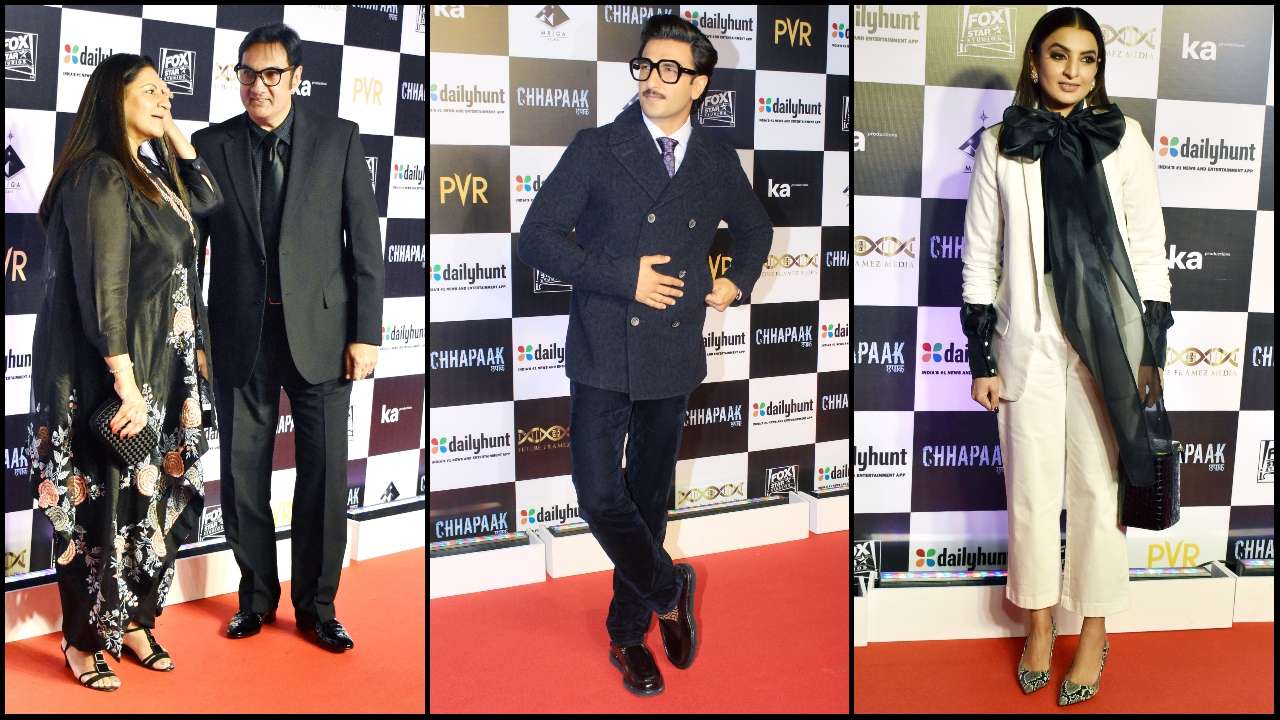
1034, 77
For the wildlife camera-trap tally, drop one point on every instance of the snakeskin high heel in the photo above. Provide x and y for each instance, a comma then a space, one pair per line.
1070, 693
1032, 680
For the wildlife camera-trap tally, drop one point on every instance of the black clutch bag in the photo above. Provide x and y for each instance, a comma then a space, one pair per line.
1157, 506
127, 451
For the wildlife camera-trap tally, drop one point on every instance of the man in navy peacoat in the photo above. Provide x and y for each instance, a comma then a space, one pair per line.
644, 196
612, 186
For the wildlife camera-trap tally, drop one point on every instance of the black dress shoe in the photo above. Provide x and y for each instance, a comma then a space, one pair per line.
679, 629
246, 623
639, 672
332, 636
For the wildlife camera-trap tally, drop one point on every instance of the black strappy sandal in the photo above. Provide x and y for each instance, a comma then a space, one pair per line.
157, 652
100, 671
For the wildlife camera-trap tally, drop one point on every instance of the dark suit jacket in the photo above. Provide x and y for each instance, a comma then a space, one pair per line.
612, 186
332, 290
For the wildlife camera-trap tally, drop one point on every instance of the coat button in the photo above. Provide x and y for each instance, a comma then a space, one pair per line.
680, 274
634, 321
675, 324
692, 222
652, 217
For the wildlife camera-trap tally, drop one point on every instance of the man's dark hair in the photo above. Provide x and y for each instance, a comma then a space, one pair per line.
274, 33
671, 27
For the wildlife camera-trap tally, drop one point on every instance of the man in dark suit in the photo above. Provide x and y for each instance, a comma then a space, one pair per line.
292, 305
647, 190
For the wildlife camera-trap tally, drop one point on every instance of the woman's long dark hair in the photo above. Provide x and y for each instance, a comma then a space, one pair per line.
100, 125
1027, 93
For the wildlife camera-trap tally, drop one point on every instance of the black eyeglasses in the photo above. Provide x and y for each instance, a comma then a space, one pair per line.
669, 70
271, 76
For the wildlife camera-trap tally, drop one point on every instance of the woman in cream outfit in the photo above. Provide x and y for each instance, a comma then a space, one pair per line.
1053, 426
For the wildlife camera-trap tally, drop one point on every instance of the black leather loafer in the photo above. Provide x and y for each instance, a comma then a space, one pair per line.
246, 623
332, 636
679, 629
640, 673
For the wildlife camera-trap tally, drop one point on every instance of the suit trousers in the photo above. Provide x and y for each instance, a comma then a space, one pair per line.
1058, 436
627, 511
318, 529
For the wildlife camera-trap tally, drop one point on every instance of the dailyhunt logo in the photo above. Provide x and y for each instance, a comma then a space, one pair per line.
784, 409
934, 352
468, 273
1174, 146
77, 55
445, 445
787, 106
835, 472
528, 183
961, 557
530, 353
833, 330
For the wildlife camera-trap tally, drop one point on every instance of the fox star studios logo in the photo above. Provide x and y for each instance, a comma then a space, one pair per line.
20, 55
177, 69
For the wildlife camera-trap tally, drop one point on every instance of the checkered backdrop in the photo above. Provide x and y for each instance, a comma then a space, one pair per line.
928, 80
361, 63
510, 87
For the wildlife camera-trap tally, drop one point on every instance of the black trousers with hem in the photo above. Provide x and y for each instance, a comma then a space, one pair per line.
627, 511
318, 527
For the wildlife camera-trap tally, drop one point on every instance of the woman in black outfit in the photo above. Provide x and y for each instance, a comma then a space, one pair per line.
122, 317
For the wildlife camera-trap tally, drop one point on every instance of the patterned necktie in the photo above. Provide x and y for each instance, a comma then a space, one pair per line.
669, 154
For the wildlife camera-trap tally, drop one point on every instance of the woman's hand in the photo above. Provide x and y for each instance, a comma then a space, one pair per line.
203, 363
1149, 387
986, 392
132, 415
176, 138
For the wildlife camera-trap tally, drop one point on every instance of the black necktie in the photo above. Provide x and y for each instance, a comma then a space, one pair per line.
269, 207
272, 180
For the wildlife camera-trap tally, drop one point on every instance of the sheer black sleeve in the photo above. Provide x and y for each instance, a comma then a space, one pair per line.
202, 188
979, 322
96, 207
1158, 319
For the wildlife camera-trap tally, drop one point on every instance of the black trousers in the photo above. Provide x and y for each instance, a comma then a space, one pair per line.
319, 527
627, 512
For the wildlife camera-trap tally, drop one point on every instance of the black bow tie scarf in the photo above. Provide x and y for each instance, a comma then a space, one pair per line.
1082, 246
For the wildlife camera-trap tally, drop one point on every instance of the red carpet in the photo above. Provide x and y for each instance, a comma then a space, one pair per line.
1188, 671
277, 671
774, 622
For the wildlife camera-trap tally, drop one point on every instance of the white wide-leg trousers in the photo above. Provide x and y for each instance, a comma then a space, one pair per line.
1058, 436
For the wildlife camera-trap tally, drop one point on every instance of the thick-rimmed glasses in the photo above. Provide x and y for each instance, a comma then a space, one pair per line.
270, 76
669, 70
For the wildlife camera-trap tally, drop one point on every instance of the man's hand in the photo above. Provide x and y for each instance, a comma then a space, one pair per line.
361, 357
655, 289
722, 293
203, 363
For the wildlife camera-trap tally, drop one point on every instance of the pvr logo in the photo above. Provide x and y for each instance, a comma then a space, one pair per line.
799, 30
471, 189
15, 264
368, 90
1181, 554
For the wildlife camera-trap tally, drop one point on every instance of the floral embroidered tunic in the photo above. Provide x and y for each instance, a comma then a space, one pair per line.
121, 278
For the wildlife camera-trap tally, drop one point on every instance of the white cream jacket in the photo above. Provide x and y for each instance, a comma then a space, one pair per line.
1004, 246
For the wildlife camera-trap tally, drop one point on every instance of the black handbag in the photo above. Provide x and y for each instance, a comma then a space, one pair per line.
1157, 506
127, 451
